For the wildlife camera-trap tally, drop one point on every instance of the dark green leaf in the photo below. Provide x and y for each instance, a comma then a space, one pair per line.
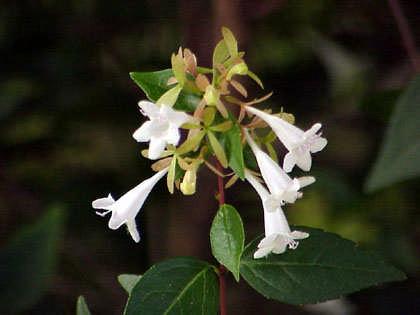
128, 281
227, 238
249, 158
176, 286
323, 267
81, 307
399, 158
28, 261
379, 105
232, 140
154, 85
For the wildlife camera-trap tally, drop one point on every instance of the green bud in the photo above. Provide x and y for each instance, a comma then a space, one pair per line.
211, 96
188, 184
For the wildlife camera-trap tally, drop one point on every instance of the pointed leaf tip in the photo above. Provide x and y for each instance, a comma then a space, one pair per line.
227, 238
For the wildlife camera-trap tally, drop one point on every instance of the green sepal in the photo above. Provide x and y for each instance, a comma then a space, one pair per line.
217, 149
231, 42
170, 97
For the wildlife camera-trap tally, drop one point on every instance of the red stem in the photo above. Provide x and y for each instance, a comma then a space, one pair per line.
222, 269
406, 34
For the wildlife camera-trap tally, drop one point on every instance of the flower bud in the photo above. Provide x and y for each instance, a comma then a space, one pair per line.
211, 96
189, 181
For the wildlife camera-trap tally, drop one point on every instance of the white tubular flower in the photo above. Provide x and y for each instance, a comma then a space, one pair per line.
161, 129
278, 235
299, 143
125, 209
282, 188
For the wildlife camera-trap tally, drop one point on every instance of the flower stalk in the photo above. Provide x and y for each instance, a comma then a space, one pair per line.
222, 269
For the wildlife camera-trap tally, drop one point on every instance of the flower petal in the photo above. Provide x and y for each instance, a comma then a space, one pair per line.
262, 252
103, 203
172, 135
299, 235
156, 148
318, 144
304, 161
306, 181
280, 244
132, 229
289, 162
275, 222
313, 130
149, 109
143, 133
175, 117
267, 241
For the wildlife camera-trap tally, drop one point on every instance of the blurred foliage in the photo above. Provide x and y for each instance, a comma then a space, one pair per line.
68, 108
28, 261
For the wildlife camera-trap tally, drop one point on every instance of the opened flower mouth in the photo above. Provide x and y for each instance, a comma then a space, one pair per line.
125, 209
161, 129
299, 143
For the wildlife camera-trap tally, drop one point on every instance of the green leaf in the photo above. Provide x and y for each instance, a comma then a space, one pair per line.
249, 158
176, 286
128, 281
81, 307
399, 157
323, 267
28, 261
232, 140
217, 149
230, 40
227, 238
154, 85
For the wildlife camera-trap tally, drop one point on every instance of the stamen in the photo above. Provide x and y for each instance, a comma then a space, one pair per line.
293, 244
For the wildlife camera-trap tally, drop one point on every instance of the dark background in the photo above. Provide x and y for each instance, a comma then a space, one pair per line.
68, 109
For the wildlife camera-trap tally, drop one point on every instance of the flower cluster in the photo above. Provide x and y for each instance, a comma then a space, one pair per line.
219, 124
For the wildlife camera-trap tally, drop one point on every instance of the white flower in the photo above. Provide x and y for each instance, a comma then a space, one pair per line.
282, 187
278, 235
299, 143
161, 129
125, 209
